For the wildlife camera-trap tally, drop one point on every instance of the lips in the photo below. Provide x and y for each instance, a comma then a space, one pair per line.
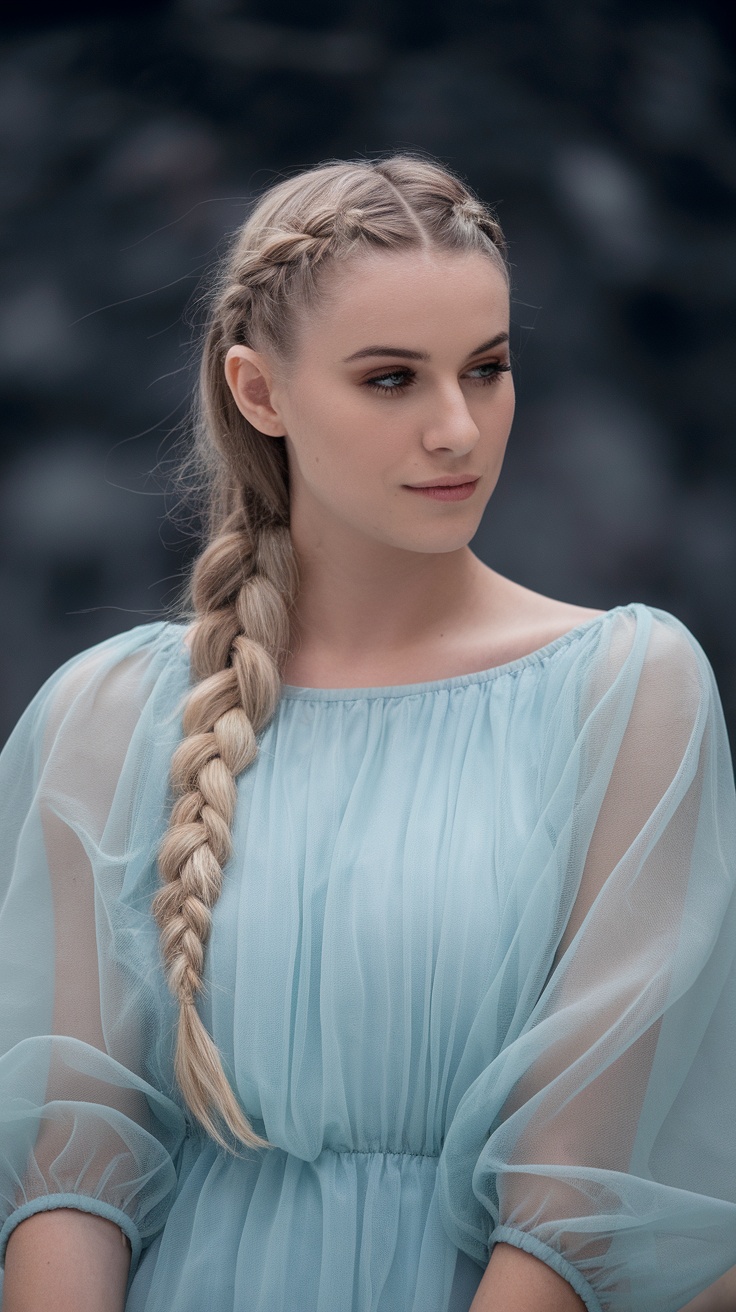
446, 492
460, 481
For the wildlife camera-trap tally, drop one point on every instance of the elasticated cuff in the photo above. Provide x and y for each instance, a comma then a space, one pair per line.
95, 1206
506, 1234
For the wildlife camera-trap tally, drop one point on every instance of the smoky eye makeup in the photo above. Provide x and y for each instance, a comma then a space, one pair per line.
392, 382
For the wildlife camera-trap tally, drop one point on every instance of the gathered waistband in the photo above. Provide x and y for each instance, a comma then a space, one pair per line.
379, 1152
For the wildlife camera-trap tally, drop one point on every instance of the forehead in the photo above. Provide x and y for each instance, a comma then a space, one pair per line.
415, 299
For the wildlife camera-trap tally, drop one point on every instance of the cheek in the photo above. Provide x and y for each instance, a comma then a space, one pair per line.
358, 459
501, 414
511, 397
510, 409
340, 451
339, 435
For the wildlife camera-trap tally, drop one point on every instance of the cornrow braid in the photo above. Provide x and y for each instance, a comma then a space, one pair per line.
245, 582
314, 241
285, 247
473, 211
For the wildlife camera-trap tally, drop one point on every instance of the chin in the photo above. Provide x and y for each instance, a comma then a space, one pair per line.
440, 544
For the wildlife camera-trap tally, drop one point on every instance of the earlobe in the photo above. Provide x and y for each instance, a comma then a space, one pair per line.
250, 381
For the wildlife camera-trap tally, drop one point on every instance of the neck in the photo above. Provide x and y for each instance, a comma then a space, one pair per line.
357, 607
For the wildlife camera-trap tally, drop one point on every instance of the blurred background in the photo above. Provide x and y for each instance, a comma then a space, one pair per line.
133, 137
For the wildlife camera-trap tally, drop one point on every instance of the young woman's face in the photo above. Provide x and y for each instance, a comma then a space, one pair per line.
400, 377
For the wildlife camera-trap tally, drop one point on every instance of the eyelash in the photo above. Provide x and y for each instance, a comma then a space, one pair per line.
409, 378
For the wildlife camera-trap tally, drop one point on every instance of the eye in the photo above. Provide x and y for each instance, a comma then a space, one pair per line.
392, 383
396, 381
496, 368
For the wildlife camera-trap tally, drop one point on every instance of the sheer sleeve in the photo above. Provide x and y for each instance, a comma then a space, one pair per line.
602, 1137
88, 1118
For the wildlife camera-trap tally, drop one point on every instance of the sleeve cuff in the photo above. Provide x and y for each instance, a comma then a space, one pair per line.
95, 1206
506, 1234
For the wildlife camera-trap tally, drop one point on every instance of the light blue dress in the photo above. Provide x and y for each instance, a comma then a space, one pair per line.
472, 973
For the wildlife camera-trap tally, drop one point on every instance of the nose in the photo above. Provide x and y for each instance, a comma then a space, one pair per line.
450, 424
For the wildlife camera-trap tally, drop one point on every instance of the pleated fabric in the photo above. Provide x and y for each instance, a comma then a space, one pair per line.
473, 974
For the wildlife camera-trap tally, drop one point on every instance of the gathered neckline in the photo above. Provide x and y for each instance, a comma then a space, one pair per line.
300, 692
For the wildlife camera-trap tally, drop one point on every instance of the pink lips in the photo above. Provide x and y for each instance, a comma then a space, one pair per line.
460, 492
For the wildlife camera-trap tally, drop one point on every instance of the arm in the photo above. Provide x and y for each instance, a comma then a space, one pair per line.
515, 1281
720, 1297
68, 1260
82, 1128
601, 1138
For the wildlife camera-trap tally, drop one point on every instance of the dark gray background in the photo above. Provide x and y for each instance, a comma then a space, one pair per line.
603, 133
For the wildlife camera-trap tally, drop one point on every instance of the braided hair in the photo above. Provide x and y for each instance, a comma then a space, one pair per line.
246, 580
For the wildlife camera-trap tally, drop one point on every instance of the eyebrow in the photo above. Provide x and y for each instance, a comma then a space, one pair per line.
399, 352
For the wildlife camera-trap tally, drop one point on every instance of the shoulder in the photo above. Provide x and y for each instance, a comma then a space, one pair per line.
628, 696
639, 666
626, 634
116, 675
632, 657
532, 622
524, 624
111, 707
649, 642
158, 641
591, 650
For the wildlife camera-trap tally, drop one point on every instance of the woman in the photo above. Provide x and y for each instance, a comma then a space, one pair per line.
445, 896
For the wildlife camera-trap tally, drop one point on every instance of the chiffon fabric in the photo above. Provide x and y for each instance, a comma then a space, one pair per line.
472, 974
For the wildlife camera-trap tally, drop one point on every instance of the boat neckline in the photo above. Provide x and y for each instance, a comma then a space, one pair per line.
302, 692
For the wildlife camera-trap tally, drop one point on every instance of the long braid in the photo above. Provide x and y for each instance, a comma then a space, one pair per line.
241, 590
246, 581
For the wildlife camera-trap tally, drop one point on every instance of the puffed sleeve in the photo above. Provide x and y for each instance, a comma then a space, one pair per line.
602, 1136
88, 1118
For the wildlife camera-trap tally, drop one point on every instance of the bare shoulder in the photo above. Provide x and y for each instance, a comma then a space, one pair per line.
521, 620
551, 619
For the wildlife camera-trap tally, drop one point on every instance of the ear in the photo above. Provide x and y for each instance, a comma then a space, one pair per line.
251, 381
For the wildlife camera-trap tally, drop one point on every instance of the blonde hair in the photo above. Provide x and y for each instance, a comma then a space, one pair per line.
246, 580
